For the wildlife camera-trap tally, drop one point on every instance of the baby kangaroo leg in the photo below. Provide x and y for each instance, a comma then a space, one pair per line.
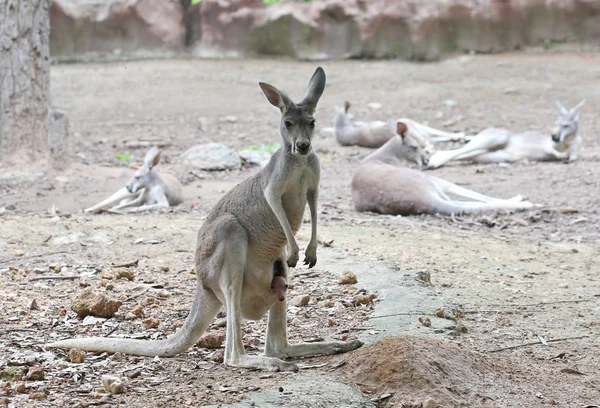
277, 341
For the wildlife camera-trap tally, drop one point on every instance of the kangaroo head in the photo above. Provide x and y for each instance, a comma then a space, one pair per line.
412, 150
342, 117
297, 122
566, 123
144, 176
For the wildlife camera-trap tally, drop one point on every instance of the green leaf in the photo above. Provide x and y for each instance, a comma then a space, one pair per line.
195, 2
124, 157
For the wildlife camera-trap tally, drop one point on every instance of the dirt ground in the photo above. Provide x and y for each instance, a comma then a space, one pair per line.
519, 278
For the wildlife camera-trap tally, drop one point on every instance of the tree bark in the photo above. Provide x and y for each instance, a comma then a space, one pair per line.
24, 82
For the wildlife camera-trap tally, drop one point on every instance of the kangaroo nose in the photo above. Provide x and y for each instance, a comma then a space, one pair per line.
302, 146
555, 137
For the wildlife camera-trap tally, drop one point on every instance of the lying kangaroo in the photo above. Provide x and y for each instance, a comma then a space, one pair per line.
376, 134
145, 191
496, 145
241, 251
383, 185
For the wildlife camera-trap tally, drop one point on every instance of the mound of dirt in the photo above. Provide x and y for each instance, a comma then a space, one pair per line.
424, 373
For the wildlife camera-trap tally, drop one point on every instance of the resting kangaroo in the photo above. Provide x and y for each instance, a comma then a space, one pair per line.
246, 244
496, 145
145, 191
383, 185
376, 134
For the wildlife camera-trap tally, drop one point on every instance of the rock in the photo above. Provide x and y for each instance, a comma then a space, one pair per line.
218, 356
364, 299
461, 328
20, 388
439, 312
33, 305
35, 373
38, 395
425, 321
113, 384
124, 273
90, 303
347, 278
300, 301
138, 311
430, 403
150, 323
209, 156
212, 340
129, 316
4, 402
450, 103
164, 268
133, 27
255, 157
76, 356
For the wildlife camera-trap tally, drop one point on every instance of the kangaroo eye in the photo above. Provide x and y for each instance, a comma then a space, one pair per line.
312, 123
288, 124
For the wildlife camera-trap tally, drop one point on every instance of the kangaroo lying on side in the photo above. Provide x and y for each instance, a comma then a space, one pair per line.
241, 256
496, 145
145, 191
383, 185
377, 133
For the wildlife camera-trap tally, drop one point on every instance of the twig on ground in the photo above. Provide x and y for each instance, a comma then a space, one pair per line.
126, 264
58, 277
535, 343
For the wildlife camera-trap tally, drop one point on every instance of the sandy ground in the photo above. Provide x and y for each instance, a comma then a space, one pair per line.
514, 278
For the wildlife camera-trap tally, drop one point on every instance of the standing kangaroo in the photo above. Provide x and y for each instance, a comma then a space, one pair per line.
376, 133
496, 145
145, 191
383, 185
241, 256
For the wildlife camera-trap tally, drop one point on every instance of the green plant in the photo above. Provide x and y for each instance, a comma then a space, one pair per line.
268, 148
123, 157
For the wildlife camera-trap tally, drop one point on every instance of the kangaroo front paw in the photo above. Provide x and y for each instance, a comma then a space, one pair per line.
310, 256
293, 256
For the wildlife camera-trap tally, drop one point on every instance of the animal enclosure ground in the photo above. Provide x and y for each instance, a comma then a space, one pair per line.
515, 277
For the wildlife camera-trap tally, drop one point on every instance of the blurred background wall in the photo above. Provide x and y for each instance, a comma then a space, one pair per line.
316, 29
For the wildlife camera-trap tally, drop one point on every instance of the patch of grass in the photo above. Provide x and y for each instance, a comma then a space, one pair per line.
123, 157
268, 148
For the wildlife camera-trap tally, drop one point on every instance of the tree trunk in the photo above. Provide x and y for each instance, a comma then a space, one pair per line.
24, 83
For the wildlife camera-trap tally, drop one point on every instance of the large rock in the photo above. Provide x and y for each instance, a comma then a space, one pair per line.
90, 303
209, 156
115, 26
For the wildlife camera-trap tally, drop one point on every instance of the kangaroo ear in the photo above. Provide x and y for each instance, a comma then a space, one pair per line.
561, 108
315, 90
152, 157
576, 111
346, 106
276, 97
401, 129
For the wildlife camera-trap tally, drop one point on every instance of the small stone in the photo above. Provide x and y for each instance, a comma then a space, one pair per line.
449, 103
109, 286
21, 388
439, 312
138, 311
212, 340
347, 278
4, 402
425, 321
76, 356
125, 273
129, 316
116, 357
177, 324
33, 305
280, 389
164, 268
135, 374
430, 403
113, 384
300, 301
107, 274
55, 267
461, 328
218, 356
88, 302
331, 322
364, 299
150, 323
35, 373
424, 277
38, 395
19, 252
